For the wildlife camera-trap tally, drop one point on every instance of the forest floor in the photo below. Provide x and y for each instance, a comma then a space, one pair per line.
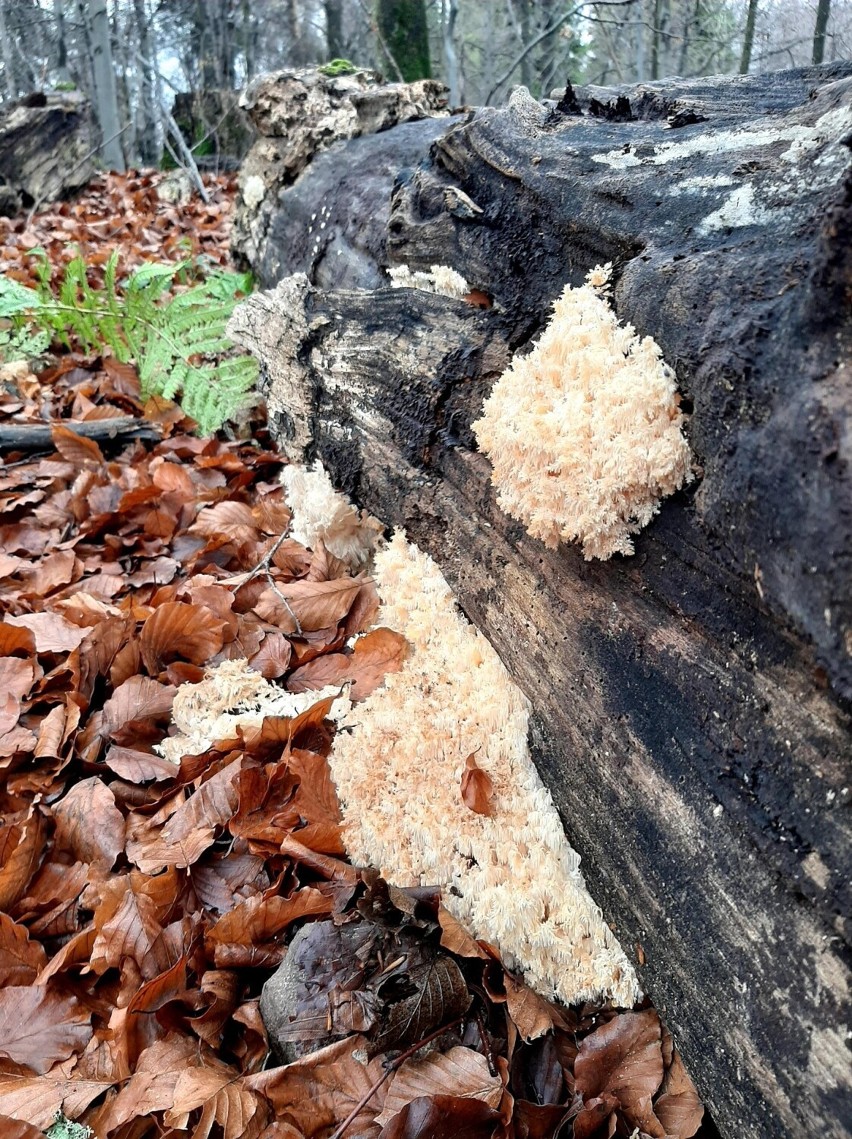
143, 903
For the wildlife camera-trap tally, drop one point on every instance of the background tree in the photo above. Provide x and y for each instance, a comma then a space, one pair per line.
405, 35
106, 95
479, 49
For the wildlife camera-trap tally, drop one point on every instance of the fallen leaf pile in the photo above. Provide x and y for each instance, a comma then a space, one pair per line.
144, 902
121, 211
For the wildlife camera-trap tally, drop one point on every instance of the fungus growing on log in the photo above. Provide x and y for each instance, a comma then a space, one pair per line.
439, 279
320, 513
585, 434
509, 875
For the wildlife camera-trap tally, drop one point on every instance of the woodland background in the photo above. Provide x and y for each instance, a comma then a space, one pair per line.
129, 57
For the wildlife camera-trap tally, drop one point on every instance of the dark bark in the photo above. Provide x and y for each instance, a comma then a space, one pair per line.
47, 149
691, 702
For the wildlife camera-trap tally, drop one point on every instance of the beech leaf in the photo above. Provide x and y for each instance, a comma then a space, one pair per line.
374, 655
88, 823
41, 1026
623, 1058
461, 1072
477, 788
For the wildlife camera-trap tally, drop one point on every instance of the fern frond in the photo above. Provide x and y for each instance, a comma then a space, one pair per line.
178, 341
16, 298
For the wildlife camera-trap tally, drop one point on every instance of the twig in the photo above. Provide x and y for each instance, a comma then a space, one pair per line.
390, 1069
180, 142
263, 567
35, 437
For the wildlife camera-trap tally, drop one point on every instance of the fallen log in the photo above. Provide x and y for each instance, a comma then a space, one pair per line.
37, 436
692, 701
47, 149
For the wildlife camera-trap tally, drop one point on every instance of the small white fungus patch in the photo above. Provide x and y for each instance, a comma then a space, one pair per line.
233, 695
320, 512
254, 191
439, 279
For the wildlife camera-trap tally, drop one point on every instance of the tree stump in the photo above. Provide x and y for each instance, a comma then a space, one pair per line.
692, 701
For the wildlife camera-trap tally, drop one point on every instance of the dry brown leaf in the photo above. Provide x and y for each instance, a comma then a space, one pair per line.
318, 1091
444, 1117
88, 823
152, 1084
273, 657
373, 656
622, 1058
138, 698
249, 932
41, 1027
139, 766
21, 958
461, 1072
18, 1129
74, 448
14, 639
52, 633
130, 932
191, 829
223, 1098
477, 787
533, 1015
679, 1108
36, 1099
21, 845
180, 631
455, 938
316, 604
233, 519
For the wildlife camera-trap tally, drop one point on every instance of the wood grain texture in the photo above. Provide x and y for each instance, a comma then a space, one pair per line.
691, 702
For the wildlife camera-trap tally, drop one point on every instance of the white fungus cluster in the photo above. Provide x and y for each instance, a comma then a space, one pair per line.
320, 512
440, 279
511, 876
233, 695
585, 434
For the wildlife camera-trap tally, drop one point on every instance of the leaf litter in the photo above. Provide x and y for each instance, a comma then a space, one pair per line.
146, 900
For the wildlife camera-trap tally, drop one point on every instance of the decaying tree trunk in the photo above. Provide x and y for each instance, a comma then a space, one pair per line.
47, 149
692, 701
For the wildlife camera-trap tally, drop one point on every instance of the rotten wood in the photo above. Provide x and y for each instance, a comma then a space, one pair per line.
692, 703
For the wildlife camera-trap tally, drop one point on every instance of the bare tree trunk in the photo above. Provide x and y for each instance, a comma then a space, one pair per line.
406, 34
105, 88
640, 46
125, 77
9, 85
62, 72
334, 28
656, 33
148, 135
748, 38
449, 15
823, 9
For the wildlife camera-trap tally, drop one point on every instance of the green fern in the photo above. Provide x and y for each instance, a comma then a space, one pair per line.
175, 337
